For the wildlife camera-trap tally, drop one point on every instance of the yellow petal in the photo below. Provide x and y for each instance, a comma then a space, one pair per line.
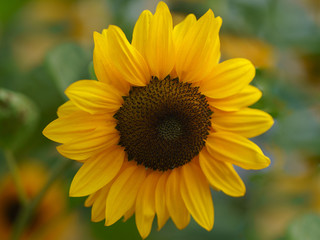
178, 34
235, 149
160, 201
228, 78
247, 122
196, 195
94, 97
221, 175
86, 146
160, 51
97, 171
103, 65
140, 35
175, 204
246, 97
181, 29
66, 109
145, 204
90, 200
126, 59
99, 205
72, 126
129, 213
199, 50
123, 193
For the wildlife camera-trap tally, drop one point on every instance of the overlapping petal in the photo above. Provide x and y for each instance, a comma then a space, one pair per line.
247, 122
246, 97
94, 97
145, 204
82, 148
123, 193
125, 58
160, 201
141, 32
73, 126
97, 171
181, 29
235, 149
99, 205
175, 204
90, 200
228, 78
103, 64
66, 109
221, 175
196, 195
199, 50
129, 213
160, 50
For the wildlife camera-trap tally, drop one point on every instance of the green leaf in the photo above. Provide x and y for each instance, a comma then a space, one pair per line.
67, 63
305, 227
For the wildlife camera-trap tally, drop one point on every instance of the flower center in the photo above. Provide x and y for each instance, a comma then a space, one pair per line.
163, 125
12, 210
169, 128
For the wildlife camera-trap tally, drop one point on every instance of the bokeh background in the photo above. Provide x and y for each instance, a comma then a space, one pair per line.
45, 45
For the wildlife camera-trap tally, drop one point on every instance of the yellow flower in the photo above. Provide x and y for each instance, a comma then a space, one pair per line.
164, 121
49, 221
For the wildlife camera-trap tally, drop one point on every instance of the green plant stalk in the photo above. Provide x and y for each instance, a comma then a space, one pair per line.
29, 210
16, 176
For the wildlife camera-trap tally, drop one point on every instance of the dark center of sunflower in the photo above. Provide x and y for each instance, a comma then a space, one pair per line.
12, 210
163, 125
170, 128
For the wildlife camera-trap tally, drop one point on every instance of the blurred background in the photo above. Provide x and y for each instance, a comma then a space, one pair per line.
45, 45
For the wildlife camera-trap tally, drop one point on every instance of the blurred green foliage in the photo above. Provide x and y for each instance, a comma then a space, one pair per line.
290, 94
66, 64
18, 118
305, 227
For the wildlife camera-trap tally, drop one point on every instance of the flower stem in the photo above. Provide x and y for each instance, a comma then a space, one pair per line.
16, 176
29, 210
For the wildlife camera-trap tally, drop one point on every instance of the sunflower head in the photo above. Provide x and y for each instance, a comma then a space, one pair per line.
159, 130
164, 122
48, 215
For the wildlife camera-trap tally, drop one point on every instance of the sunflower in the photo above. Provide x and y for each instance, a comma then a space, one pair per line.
49, 220
163, 123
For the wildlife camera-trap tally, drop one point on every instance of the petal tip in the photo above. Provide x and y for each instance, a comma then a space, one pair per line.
239, 193
268, 162
109, 220
219, 21
97, 37
96, 34
74, 191
208, 226
270, 121
45, 131
264, 162
162, 6
209, 13
48, 132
